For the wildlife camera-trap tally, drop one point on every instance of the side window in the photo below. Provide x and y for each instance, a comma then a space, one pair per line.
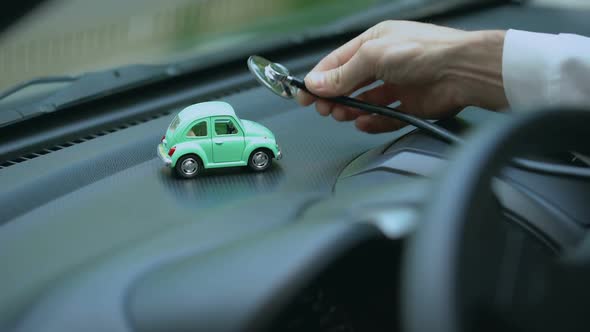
198, 130
174, 124
225, 127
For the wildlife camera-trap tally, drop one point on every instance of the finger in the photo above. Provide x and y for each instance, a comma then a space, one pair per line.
304, 98
344, 53
344, 79
324, 107
339, 56
335, 59
375, 124
382, 95
339, 112
343, 113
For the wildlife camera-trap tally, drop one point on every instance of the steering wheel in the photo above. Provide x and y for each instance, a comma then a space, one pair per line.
451, 268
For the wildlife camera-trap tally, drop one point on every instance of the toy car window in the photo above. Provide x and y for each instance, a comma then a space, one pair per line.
198, 130
174, 123
225, 127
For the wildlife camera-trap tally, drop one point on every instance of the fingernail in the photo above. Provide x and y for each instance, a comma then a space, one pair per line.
314, 78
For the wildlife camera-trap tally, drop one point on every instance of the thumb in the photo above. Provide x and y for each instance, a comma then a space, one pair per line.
341, 80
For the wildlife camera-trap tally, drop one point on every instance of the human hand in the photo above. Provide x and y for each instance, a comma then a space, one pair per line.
434, 71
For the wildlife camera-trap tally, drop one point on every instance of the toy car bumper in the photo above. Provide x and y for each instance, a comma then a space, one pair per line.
279, 154
163, 156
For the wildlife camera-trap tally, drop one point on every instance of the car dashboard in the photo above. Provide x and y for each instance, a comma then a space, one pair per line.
96, 234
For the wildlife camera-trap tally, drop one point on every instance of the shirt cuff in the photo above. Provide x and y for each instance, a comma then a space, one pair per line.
527, 69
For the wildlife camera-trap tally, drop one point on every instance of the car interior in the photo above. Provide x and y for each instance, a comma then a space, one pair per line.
399, 231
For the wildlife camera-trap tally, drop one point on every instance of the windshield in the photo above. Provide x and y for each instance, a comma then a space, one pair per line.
68, 37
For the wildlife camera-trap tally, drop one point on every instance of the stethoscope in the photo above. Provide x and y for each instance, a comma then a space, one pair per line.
277, 79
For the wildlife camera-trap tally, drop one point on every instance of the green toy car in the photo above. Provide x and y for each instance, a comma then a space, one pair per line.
210, 135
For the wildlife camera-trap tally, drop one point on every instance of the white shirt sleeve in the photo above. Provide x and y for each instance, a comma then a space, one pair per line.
541, 70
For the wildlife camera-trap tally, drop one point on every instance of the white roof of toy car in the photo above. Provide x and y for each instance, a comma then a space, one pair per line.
206, 109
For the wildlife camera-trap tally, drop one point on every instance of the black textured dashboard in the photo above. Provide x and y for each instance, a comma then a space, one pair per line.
100, 236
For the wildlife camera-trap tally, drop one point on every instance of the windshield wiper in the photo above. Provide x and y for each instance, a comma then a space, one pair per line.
82, 88
36, 81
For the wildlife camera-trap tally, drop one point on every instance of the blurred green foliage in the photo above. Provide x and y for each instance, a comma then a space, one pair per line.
263, 19
76, 36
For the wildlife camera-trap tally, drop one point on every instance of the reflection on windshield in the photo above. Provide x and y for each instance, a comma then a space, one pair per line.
73, 36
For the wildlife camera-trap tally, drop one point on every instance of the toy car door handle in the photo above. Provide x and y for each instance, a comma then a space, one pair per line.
218, 142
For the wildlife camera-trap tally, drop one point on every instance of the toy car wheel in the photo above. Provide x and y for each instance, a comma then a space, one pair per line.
260, 160
188, 166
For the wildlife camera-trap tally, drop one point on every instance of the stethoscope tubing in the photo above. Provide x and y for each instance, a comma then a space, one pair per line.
428, 127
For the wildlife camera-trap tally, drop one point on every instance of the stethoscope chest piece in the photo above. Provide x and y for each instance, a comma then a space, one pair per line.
272, 75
